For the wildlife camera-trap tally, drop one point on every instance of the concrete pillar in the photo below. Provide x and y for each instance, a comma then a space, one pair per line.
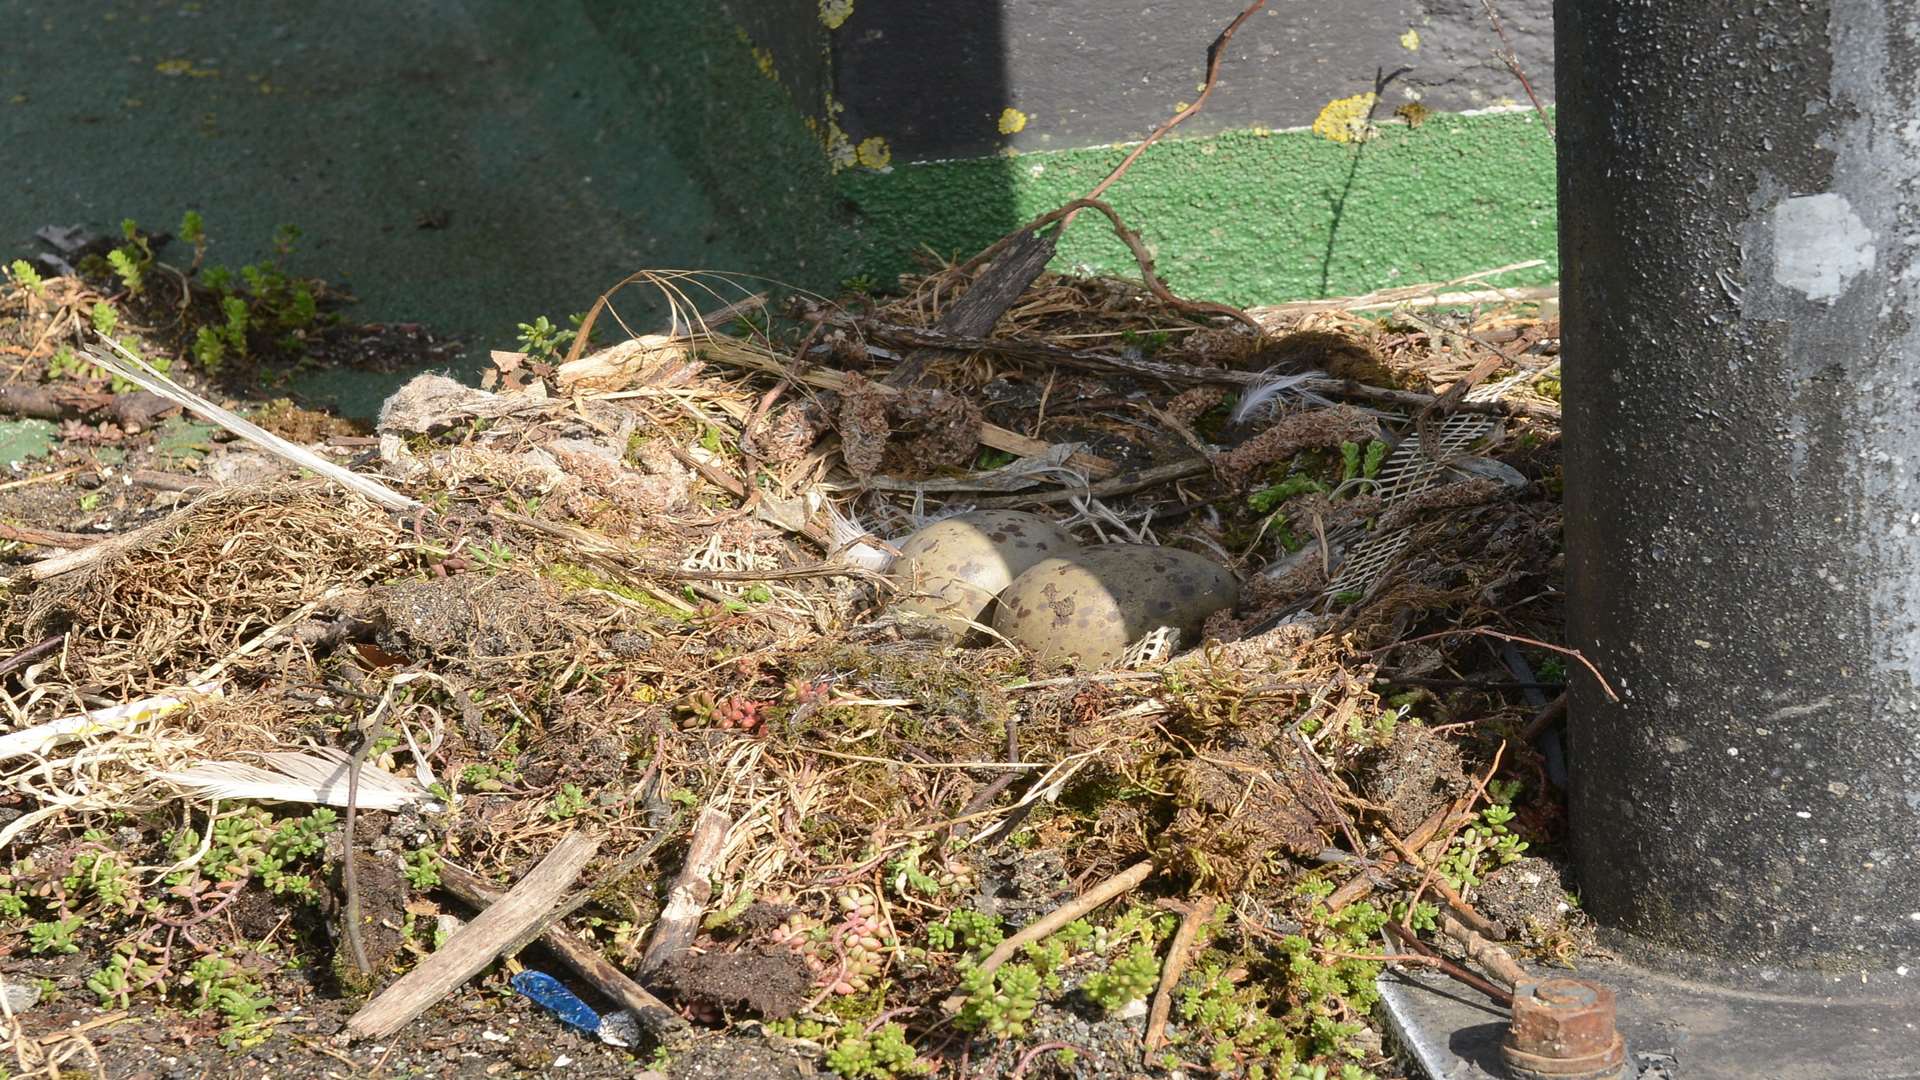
1739, 228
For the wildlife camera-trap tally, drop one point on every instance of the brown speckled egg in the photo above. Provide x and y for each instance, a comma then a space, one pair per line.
952, 569
1086, 608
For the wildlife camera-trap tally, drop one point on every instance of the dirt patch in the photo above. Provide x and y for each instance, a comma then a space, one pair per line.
729, 1059
768, 982
1411, 777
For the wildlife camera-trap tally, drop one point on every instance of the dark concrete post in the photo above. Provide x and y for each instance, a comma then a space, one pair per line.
1740, 227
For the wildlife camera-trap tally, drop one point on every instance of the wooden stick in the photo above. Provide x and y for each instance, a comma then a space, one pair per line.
679, 920
1555, 710
1421, 950
1125, 484
1117, 885
504, 928
988, 298
656, 1017
1454, 901
52, 538
1496, 960
1360, 886
1178, 953
163, 481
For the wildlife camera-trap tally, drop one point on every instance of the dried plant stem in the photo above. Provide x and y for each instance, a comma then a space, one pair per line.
1216, 52
1424, 952
1179, 953
349, 873
1118, 885
1447, 892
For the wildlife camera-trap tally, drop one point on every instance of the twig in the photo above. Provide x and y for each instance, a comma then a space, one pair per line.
43, 478
1544, 719
654, 1015
1498, 962
1032, 1055
1447, 892
1167, 371
132, 411
1486, 632
1144, 260
52, 538
164, 481
1179, 952
1216, 52
1448, 967
1124, 484
502, 929
1508, 56
1000, 783
680, 917
349, 874
986, 299
31, 653
1117, 885
1323, 784
1360, 886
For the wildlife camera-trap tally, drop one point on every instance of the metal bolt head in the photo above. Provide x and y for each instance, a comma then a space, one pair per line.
1563, 1029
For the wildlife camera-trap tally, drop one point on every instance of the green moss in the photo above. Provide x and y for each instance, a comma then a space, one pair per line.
580, 577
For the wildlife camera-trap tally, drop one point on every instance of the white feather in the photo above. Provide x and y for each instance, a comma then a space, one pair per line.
130, 367
312, 776
847, 533
1259, 397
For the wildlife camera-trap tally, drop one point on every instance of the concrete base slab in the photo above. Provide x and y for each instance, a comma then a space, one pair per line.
1675, 1030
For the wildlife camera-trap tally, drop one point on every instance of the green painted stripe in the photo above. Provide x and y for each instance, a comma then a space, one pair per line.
1250, 217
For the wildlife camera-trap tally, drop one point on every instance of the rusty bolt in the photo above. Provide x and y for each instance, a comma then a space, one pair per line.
1563, 1029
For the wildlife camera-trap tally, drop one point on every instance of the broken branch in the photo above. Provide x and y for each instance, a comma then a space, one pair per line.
517, 918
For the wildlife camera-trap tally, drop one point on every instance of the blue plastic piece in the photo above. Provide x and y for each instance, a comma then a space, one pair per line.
547, 992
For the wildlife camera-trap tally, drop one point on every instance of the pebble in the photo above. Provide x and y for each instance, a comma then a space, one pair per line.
20, 996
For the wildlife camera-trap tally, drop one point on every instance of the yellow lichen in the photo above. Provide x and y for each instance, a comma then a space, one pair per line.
873, 152
840, 151
1410, 40
763, 59
1012, 120
835, 12
1345, 119
184, 67
1413, 113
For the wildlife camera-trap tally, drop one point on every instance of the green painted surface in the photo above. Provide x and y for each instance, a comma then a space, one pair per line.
540, 143
1244, 217
1251, 218
740, 134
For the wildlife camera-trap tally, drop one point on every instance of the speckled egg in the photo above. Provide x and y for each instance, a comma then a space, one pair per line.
1086, 608
952, 569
